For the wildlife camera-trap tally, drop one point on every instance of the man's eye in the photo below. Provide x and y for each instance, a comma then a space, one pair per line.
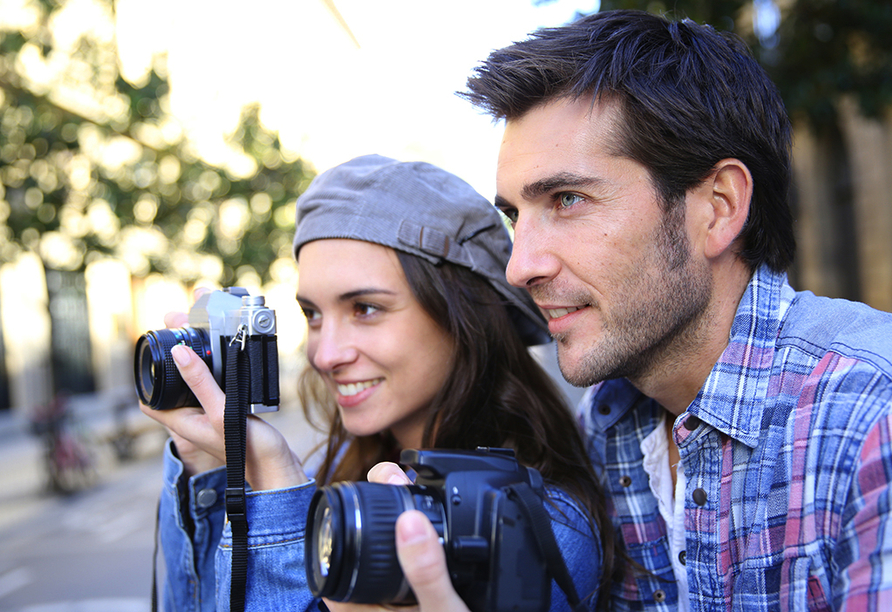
510, 213
567, 200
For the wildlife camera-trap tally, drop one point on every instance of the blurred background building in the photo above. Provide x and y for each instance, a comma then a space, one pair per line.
112, 208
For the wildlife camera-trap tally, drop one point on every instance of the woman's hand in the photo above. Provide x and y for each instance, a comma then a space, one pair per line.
420, 554
198, 431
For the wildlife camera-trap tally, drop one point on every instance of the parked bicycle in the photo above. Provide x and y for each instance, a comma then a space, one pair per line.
69, 462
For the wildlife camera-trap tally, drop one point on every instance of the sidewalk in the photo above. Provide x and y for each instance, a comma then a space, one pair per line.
23, 480
94, 409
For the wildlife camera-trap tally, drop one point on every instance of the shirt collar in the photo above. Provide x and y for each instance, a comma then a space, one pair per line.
733, 397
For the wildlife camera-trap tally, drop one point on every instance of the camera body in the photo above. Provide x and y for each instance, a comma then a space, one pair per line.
494, 561
219, 322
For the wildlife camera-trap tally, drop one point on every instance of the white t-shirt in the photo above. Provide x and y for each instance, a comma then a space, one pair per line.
656, 463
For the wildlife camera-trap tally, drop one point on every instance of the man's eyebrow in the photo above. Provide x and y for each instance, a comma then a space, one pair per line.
562, 180
501, 203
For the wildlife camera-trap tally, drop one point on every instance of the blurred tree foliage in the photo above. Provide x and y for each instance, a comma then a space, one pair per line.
820, 49
92, 165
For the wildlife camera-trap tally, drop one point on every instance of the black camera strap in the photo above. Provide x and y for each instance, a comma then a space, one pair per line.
532, 506
234, 434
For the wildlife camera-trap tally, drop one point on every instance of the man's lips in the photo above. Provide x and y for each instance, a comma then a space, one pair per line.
557, 313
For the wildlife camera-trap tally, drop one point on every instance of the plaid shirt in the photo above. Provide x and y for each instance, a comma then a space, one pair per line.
788, 460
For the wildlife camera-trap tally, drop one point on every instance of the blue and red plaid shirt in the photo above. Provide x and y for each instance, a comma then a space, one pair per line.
788, 459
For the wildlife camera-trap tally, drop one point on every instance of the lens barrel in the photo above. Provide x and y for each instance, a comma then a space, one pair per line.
351, 555
158, 382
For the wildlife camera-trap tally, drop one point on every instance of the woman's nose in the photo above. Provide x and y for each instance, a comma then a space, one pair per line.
331, 349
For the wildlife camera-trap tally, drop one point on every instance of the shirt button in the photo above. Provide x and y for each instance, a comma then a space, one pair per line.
206, 498
604, 409
691, 423
625, 481
682, 557
659, 596
699, 496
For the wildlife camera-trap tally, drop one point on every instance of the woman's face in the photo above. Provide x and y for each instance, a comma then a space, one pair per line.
379, 352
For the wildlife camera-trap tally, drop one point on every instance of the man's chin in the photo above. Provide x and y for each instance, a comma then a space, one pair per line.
587, 368
573, 370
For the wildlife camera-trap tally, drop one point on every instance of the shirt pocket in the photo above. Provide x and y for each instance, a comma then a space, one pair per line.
795, 583
808, 585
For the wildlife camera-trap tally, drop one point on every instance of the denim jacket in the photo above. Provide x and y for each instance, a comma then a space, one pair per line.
197, 545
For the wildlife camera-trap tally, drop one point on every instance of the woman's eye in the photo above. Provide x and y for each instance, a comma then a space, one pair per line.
364, 310
567, 200
310, 314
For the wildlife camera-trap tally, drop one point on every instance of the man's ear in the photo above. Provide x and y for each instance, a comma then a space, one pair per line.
726, 196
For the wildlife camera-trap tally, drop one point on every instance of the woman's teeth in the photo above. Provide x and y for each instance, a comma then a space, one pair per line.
354, 388
555, 313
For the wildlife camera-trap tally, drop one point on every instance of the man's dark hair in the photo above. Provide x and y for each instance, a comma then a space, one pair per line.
688, 97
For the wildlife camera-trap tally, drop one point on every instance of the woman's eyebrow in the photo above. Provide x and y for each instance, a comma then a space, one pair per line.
349, 295
302, 300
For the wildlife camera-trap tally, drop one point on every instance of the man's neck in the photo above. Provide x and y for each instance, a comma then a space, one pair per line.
676, 379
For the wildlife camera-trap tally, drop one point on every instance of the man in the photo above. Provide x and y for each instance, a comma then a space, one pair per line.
742, 428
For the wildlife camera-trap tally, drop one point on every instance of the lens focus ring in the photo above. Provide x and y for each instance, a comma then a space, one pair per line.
158, 382
357, 520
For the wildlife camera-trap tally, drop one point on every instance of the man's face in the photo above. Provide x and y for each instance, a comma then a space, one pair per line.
612, 274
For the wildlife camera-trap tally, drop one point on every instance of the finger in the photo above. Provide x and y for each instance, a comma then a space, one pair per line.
190, 424
388, 473
196, 374
200, 291
424, 563
175, 319
336, 606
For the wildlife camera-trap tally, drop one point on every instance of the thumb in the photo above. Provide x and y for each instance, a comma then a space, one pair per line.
196, 374
424, 564
388, 473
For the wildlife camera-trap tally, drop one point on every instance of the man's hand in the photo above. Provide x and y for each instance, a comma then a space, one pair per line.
420, 554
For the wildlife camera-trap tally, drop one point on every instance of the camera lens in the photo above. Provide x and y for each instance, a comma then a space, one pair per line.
158, 382
352, 550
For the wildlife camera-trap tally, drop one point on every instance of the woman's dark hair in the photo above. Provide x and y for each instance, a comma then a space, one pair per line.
688, 97
497, 395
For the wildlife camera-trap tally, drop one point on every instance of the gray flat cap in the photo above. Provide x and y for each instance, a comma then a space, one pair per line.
420, 209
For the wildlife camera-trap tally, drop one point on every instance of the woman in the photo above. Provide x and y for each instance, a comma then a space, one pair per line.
415, 341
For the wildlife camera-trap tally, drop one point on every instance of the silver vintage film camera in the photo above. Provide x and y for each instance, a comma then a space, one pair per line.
219, 322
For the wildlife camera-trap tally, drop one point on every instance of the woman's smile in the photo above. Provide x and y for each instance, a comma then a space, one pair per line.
351, 389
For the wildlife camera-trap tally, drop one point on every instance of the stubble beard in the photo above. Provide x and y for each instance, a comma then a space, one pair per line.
660, 316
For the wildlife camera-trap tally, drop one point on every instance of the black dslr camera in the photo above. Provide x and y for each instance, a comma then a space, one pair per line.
491, 551
219, 322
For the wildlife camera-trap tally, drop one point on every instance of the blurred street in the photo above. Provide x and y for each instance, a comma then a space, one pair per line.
89, 551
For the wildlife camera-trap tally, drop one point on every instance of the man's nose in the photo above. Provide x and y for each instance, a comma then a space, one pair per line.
532, 257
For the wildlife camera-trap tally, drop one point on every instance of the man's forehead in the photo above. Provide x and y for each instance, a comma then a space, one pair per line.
552, 141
